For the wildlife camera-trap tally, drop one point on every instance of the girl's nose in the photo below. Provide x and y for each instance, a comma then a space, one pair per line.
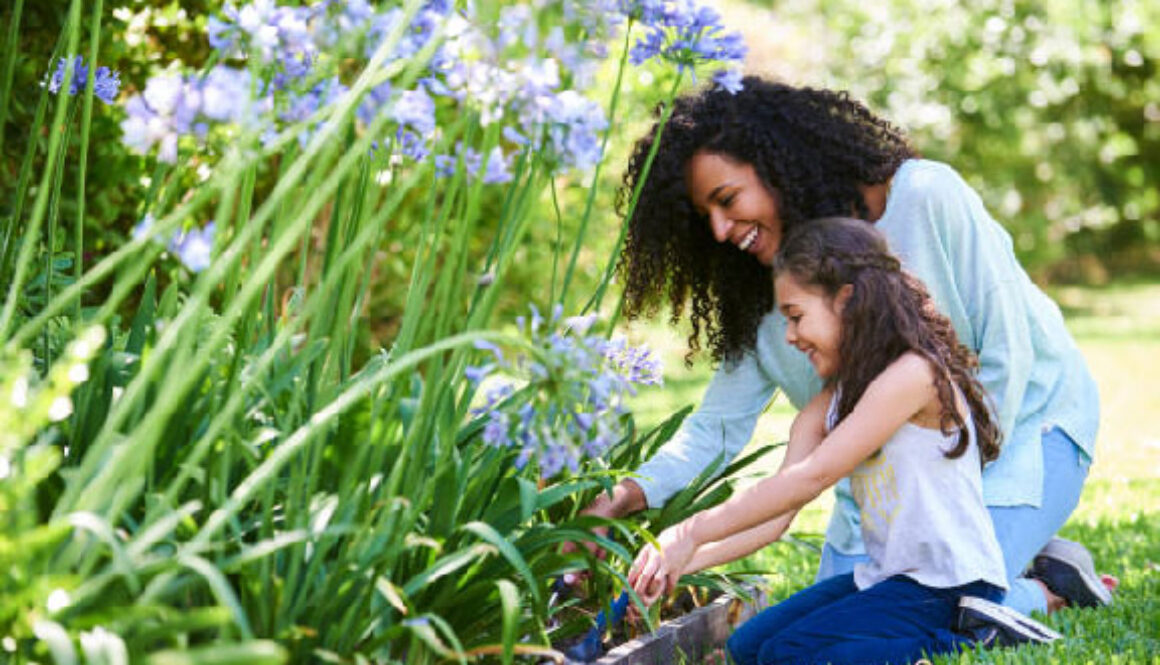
720, 224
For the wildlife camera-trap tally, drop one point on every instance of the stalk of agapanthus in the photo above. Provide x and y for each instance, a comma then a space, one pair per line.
86, 120
170, 397
53, 217
591, 199
685, 35
11, 44
94, 82
423, 269
169, 339
32, 231
610, 268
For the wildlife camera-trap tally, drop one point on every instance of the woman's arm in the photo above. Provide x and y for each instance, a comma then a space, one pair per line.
720, 428
901, 391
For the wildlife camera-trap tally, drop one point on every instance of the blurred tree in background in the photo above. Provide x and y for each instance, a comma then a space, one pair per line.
1051, 108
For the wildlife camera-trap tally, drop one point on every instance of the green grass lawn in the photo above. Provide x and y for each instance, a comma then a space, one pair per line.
1118, 519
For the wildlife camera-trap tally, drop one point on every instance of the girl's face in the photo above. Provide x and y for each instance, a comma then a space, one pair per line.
739, 207
813, 321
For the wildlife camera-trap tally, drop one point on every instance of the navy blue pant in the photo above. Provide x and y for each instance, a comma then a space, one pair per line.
896, 621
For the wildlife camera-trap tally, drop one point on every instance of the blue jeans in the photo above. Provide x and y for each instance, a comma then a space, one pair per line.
895, 621
1021, 530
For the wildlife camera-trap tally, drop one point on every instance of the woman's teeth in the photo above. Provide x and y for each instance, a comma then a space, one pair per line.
748, 240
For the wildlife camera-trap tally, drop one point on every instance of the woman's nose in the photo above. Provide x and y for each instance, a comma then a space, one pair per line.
720, 225
790, 334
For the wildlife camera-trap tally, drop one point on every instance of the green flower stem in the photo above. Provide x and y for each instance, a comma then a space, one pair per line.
598, 296
588, 204
284, 453
11, 48
53, 218
83, 164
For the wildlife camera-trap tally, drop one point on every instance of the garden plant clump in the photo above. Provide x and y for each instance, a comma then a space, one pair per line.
204, 459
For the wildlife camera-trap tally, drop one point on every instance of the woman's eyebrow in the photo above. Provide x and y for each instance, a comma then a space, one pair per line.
717, 190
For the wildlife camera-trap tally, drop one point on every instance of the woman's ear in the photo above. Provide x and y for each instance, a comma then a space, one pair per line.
842, 296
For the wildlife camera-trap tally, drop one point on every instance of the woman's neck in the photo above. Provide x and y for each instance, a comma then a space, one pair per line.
875, 197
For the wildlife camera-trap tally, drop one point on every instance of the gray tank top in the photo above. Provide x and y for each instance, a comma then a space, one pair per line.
923, 514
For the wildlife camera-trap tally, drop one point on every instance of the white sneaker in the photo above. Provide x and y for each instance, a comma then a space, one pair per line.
994, 625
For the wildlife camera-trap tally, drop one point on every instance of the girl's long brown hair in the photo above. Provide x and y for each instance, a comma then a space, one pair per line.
889, 313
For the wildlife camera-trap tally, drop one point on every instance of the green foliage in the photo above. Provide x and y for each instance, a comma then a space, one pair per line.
1048, 107
203, 463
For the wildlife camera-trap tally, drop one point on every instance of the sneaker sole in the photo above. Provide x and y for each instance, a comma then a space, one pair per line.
1028, 628
1078, 561
1084, 592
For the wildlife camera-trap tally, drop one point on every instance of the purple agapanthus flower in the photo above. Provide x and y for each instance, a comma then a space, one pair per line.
106, 82
570, 404
445, 166
495, 170
729, 80
194, 248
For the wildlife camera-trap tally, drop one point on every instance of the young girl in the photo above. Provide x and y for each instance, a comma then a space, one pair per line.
902, 414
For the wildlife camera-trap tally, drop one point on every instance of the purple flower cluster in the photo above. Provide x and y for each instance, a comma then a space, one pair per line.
193, 247
686, 34
175, 105
571, 404
508, 70
106, 82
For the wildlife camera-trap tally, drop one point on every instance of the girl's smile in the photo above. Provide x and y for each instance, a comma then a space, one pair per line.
813, 321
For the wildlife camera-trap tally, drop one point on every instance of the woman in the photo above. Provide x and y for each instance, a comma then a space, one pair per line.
732, 175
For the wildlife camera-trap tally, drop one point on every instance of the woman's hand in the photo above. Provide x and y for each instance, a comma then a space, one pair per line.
655, 571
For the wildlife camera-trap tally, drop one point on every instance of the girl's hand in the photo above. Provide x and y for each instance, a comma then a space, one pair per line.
656, 571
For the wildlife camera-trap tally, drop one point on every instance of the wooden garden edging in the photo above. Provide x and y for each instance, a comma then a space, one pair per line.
690, 637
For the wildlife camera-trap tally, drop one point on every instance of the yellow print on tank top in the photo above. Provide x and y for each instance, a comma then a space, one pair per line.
876, 491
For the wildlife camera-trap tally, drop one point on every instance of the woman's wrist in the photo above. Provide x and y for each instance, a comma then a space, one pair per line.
627, 498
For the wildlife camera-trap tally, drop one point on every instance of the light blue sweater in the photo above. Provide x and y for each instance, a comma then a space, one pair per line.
1029, 363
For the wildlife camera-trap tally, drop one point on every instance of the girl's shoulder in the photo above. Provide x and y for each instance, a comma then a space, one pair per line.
909, 369
914, 373
909, 379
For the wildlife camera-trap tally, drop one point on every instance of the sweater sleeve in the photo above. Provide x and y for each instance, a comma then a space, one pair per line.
722, 425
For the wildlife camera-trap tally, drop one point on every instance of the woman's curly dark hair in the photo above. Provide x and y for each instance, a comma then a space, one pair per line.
813, 147
888, 314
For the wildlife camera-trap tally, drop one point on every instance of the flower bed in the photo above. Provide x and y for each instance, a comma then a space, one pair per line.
694, 633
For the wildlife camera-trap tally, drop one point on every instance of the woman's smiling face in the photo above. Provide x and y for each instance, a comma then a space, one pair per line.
737, 205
